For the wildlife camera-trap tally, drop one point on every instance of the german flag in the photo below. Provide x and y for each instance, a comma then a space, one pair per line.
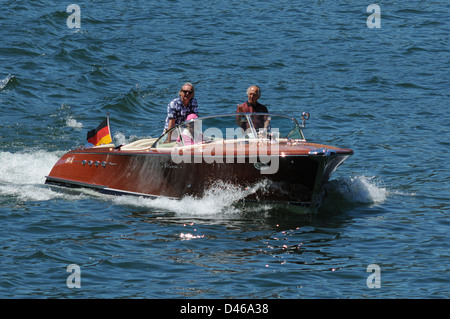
100, 135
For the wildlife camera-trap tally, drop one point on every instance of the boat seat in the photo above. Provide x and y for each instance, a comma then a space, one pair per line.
139, 144
104, 145
167, 145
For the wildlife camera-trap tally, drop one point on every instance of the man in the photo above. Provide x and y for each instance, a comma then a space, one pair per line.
179, 108
253, 106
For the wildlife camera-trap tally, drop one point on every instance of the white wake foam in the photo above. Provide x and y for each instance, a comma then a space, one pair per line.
218, 199
357, 189
71, 122
22, 175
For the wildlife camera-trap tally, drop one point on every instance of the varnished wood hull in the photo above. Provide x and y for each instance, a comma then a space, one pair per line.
299, 174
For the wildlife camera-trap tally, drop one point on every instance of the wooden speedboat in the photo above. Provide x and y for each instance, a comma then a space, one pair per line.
239, 149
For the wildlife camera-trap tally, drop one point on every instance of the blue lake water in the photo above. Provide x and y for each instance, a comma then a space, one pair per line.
384, 92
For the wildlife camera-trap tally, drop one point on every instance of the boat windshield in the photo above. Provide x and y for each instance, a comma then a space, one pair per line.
232, 126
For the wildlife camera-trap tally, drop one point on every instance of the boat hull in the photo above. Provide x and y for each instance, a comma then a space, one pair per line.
290, 177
